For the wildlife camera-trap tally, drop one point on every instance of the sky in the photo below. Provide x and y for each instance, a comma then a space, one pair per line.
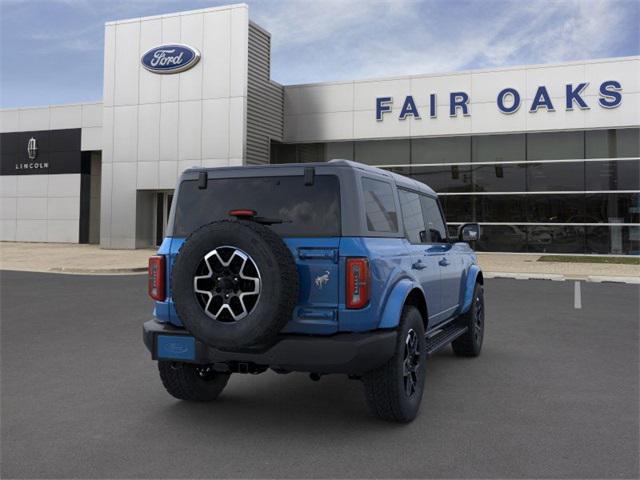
51, 51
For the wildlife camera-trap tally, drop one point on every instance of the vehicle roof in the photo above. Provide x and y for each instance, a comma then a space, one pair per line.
400, 180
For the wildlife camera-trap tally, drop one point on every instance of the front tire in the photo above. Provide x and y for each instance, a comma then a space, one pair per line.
470, 344
197, 383
394, 391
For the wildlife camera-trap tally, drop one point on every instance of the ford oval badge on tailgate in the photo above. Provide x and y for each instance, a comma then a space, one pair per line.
173, 58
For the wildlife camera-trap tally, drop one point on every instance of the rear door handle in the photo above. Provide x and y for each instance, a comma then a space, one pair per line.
444, 262
418, 265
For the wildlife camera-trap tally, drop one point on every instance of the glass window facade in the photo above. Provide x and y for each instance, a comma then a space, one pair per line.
461, 207
502, 238
612, 143
497, 208
619, 240
445, 178
613, 207
555, 208
555, 145
497, 177
559, 177
587, 181
499, 148
612, 175
342, 150
440, 150
389, 152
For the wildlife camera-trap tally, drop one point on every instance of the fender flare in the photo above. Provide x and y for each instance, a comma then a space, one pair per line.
473, 275
395, 302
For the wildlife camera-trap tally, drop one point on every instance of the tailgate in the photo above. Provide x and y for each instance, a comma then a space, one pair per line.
318, 273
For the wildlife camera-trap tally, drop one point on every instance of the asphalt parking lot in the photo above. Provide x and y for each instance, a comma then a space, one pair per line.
554, 394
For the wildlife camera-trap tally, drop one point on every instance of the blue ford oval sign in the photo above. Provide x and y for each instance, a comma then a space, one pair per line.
171, 58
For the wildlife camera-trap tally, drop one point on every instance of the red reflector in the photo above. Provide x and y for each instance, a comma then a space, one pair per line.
242, 212
156, 277
357, 282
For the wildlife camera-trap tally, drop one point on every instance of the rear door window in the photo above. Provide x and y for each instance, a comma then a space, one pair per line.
412, 217
434, 223
305, 210
380, 206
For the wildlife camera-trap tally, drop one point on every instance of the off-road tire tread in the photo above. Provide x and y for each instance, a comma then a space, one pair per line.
183, 383
381, 385
463, 345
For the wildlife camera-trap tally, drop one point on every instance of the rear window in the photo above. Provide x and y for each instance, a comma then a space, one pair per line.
305, 210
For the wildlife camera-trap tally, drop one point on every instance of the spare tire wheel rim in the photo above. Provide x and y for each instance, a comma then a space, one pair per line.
227, 284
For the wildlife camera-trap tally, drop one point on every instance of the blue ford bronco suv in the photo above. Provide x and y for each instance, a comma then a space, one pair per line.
333, 267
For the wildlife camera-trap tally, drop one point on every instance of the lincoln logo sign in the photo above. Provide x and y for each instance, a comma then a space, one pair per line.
172, 58
32, 154
32, 149
508, 101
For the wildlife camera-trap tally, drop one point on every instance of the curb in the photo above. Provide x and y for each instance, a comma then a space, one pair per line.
600, 279
562, 278
98, 271
525, 276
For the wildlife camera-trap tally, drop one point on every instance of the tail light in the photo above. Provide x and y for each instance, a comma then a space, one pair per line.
357, 282
156, 277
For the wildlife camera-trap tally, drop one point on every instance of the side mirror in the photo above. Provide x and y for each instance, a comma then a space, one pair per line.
469, 232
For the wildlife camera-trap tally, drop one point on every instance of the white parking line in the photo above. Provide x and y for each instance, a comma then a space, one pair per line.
577, 296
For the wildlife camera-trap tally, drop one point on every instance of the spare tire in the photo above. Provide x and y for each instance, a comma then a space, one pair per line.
234, 284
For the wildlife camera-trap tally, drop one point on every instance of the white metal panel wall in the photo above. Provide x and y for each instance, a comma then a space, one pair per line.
155, 126
40, 208
346, 110
87, 116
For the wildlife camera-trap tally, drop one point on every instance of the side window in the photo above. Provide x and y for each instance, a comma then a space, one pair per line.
412, 216
380, 208
436, 230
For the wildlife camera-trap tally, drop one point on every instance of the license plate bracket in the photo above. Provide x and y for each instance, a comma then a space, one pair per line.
175, 347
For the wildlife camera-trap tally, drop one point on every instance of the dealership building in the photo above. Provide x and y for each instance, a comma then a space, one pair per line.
545, 158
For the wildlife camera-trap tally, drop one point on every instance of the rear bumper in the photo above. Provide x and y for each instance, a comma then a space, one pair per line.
352, 353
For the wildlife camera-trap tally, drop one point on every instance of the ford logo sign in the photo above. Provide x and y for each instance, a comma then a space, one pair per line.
173, 58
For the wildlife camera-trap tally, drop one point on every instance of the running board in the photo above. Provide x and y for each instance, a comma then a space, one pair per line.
443, 338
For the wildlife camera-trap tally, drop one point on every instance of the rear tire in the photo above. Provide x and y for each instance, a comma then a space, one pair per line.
394, 391
190, 382
470, 344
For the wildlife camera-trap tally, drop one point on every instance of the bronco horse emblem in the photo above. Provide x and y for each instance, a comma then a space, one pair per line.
322, 280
